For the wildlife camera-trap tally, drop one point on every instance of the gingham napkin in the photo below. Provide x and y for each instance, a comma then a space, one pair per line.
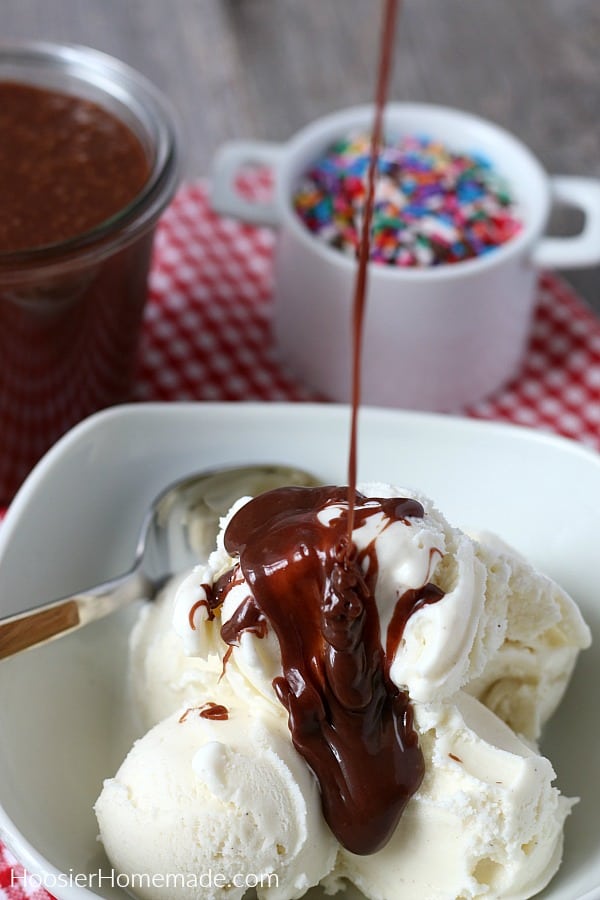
206, 337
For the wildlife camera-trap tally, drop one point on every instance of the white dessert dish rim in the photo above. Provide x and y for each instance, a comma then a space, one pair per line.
85, 497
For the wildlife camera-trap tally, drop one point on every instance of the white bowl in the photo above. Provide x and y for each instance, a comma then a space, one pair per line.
75, 522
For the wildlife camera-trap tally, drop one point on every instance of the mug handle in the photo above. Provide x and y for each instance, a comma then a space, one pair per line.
584, 248
227, 163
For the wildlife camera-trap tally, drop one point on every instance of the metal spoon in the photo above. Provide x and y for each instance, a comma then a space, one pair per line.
177, 532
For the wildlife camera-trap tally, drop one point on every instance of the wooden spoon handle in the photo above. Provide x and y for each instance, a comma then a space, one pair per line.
20, 632
44, 623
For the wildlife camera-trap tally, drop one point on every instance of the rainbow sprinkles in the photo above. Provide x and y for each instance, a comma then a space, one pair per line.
433, 205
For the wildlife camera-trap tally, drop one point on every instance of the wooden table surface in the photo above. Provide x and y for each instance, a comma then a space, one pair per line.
263, 68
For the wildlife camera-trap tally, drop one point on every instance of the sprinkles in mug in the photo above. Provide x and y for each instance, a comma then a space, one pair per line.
432, 205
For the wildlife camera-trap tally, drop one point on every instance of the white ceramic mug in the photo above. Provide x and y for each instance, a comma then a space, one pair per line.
434, 339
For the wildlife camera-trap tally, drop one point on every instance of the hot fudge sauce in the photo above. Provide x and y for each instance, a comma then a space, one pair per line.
350, 723
66, 165
309, 583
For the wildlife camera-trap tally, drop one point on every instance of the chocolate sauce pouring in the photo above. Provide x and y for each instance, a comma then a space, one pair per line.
360, 288
309, 584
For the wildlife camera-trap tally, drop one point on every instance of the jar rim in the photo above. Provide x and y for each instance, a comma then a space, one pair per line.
109, 77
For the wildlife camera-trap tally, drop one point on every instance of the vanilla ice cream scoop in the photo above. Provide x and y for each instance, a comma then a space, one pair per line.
223, 801
493, 608
486, 821
443, 644
524, 681
162, 676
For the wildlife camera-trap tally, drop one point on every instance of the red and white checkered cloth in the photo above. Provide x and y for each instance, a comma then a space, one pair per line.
207, 337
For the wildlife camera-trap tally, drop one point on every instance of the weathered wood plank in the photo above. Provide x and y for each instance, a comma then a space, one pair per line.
263, 68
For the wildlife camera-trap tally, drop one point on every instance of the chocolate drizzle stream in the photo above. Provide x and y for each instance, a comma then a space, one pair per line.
364, 250
309, 584
353, 726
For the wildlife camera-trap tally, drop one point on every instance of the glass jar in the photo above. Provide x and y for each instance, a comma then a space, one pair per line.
71, 310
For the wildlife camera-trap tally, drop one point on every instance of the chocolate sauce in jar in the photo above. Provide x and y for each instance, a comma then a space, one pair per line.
66, 165
88, 161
